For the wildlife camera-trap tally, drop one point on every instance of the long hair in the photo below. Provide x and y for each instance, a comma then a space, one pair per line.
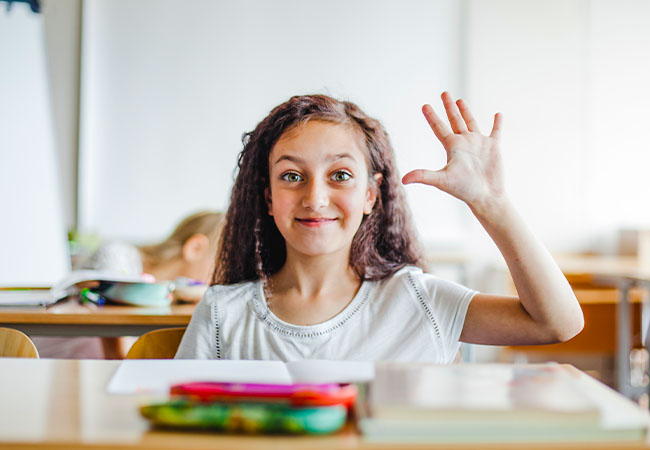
251, 246
208, 223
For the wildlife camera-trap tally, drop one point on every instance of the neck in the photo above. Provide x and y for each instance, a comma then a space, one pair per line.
313, 277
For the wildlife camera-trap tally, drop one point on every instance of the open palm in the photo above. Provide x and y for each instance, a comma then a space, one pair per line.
474, 171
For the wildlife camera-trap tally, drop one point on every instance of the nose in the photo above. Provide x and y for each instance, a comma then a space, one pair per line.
315, 196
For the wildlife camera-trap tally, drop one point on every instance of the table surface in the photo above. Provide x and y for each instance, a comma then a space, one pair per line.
63, 404
69, 318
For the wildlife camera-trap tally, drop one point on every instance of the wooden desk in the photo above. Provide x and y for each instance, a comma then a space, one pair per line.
624, 274
62, 404
69, 318
575, 266
612, 292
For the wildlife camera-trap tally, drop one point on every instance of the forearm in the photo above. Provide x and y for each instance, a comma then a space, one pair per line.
547, 310
543, 290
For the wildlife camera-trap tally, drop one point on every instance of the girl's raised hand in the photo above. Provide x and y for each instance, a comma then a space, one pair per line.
474, 171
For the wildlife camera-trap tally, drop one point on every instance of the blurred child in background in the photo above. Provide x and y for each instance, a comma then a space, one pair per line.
187, 253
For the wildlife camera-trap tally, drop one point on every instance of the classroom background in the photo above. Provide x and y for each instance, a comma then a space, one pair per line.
117, 117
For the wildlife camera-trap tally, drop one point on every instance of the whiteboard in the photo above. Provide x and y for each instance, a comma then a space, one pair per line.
33, 242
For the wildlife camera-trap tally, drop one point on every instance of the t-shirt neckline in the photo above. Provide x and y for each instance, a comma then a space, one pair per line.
267, 316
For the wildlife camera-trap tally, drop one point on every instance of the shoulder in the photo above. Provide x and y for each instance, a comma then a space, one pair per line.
407, 277
226, 294
221, 301
421, 285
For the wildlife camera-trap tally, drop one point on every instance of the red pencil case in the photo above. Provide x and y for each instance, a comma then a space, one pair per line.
291, 394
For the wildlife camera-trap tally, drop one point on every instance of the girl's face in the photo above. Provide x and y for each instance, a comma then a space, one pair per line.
319, 188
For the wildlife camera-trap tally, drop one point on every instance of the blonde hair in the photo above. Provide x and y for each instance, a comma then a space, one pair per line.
207, 223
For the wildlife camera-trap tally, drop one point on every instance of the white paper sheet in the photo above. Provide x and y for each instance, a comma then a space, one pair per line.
155, 376
327, 371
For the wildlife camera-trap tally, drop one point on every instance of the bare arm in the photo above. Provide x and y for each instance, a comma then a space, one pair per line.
546, 310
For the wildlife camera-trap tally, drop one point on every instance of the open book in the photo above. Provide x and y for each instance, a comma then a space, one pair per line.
65, 287
157, 376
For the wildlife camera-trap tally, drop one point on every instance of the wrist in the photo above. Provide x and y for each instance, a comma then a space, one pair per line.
493, 209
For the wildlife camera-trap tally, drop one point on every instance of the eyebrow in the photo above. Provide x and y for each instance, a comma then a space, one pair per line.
298, 160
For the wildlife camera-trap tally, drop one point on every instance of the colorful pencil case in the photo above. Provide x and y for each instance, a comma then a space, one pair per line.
290, 394
245, 417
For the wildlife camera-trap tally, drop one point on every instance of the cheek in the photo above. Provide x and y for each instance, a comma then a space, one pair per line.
353, 206
282, 206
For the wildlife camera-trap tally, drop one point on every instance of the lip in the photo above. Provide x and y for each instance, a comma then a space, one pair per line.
315, 221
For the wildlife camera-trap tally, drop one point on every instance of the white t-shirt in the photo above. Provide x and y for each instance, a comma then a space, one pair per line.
410, 316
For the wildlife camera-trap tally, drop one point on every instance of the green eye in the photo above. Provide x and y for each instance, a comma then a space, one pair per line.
341, 176
292, 177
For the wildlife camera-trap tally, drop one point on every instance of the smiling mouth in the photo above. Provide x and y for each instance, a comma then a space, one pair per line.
315, 221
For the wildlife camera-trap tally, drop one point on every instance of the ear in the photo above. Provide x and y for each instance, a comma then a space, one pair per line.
267, 197
195, 247
373, 192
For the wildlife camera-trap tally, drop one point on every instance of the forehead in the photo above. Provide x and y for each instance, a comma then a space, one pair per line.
317, 139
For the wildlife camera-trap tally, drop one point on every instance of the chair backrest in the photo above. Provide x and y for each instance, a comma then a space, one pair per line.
16, 344
157, 344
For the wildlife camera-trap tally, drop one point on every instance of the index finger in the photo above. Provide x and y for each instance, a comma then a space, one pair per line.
438, 126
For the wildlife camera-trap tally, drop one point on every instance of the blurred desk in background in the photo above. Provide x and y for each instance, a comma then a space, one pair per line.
588, 270
612, 294
69, 318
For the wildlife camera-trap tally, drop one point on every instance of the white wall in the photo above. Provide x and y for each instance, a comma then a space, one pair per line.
571, 77
619, 183
168, 89
33, 247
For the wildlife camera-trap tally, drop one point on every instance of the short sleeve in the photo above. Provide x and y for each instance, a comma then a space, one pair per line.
200, 340
448, 302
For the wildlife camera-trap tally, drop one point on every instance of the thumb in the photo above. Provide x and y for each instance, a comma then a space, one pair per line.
435, 178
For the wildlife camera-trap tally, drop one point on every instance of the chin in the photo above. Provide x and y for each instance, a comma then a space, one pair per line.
313, 247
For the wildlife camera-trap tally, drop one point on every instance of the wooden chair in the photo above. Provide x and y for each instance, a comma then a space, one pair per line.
157, 344
16, 344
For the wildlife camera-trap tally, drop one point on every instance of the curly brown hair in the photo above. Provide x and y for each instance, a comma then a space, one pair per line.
251, 245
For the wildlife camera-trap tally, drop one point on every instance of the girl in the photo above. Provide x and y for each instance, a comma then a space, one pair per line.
318, 257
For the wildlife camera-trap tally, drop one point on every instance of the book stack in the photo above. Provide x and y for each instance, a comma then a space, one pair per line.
424, 403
